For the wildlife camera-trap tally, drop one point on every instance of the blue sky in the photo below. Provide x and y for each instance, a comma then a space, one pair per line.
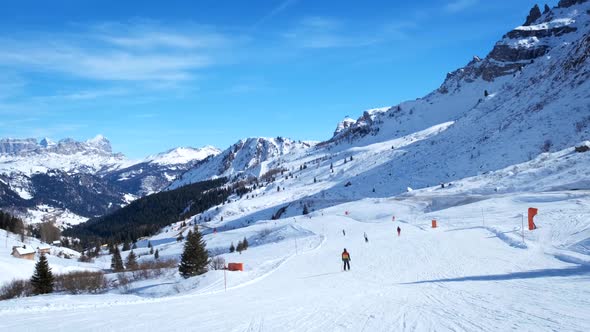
151, 77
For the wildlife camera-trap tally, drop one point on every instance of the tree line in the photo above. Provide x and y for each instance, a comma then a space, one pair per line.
147, 215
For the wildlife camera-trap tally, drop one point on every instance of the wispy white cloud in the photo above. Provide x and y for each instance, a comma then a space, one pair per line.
118, 52
324, 32
459, 5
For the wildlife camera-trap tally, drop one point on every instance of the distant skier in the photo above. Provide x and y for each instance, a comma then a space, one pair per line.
366, 238
346, 259
343, 233
399, 231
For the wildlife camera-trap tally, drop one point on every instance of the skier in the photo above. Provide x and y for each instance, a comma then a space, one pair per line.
399, 231
346, 259
366, 238
343, 233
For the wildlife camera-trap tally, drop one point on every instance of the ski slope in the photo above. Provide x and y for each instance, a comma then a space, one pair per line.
472, 273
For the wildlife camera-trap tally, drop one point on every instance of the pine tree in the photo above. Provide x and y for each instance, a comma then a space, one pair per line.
240, 247
157, 254
151, 251
126, 246
131, 261
245, 243
305, 209
149, 244
232, 248
194, 259
42, 279
117, 261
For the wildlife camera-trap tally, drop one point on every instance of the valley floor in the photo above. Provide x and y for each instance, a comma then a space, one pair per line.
472, 273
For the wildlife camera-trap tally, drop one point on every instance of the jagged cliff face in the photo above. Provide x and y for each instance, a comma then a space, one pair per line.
540, 33
542, 36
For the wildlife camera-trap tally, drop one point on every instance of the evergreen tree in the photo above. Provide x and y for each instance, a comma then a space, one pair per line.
315, 180
131, 261
240, 247
149, 244
151, 251
157, 254
232, 248
117, 261
126, 246
194, 259
42, 279
245, 243
305, 209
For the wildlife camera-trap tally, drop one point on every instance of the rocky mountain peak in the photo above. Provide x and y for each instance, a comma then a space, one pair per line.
101, 143
46, 142
344, 124
547, 9
534, 15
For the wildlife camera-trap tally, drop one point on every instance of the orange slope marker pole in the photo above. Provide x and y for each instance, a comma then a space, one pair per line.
532, 213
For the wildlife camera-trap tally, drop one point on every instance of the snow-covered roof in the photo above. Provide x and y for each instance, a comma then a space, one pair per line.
44, 247
24, 251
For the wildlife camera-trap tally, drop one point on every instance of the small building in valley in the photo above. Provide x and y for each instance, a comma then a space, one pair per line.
44, 249
23, 252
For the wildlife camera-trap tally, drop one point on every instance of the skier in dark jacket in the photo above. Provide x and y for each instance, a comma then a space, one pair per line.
366, 237
346, 259
399, 231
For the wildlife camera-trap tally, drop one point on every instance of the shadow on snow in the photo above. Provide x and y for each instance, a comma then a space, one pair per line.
543, 273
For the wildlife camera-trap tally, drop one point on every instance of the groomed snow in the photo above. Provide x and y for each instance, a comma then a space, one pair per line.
473, 273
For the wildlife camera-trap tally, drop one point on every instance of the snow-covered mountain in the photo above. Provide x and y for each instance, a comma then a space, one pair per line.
159, 171
52, 180
29, 156
248, 157
527, 97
